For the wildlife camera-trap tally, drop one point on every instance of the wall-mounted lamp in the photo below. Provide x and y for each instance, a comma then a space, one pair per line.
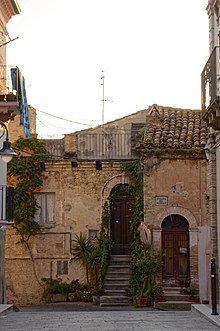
7, 152
207, 152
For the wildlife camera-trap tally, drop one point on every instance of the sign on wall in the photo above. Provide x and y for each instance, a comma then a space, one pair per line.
161, 201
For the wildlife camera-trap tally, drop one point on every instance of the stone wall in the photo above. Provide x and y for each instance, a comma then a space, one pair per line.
182, 183
16, 130
79, 193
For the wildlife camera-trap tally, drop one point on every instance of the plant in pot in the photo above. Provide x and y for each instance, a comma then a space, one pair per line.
158, 294
192, 292
145, 264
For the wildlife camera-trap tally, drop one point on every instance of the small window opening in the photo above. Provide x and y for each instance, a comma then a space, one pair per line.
98, 165
74, 164
62, 267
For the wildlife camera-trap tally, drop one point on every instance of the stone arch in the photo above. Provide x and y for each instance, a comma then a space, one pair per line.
110, 183
178, 211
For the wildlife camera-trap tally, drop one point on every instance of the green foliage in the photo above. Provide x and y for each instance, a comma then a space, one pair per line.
57, 286
105, 217
82, 246
189, 290
133, 169
145, 264
93, 255
29, 177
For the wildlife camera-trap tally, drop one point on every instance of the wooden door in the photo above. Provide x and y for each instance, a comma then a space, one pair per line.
175, 247
120, 220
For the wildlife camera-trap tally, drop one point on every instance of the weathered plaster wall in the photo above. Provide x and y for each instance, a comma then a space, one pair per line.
80, 192
184, 183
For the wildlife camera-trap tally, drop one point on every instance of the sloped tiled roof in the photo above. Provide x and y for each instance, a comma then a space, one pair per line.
172, 128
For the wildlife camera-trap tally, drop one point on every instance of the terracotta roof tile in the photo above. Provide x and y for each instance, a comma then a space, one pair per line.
174, 128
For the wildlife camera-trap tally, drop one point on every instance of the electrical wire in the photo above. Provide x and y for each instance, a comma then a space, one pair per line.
41, 120
62, 118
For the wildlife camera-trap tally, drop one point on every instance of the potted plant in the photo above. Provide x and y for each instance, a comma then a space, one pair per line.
145, 264
96, 295
158, 294
192, 292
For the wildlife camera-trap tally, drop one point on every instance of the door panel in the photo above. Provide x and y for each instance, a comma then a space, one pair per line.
120, 216
175, 247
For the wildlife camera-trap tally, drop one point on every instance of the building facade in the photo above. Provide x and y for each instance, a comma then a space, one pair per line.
211, 113
8, 8
85, 170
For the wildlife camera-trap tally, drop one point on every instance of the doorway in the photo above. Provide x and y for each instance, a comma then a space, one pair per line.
175, 248
120, 220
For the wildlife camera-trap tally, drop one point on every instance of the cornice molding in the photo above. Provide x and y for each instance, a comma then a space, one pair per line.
8, 8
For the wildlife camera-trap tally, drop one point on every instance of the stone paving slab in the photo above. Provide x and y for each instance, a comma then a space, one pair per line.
133, 320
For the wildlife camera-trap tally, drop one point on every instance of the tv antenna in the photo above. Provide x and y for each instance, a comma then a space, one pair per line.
103, 98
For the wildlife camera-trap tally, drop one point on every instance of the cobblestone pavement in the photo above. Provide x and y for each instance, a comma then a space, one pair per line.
61, 318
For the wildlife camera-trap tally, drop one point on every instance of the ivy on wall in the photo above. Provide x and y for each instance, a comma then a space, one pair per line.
29, 175
135, 187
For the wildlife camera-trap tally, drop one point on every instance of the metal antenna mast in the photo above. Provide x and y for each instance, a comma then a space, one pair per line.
103, 97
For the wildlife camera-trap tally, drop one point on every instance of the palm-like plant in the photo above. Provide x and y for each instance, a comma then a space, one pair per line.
82, 248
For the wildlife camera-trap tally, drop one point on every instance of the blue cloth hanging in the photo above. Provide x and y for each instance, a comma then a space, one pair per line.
18, 79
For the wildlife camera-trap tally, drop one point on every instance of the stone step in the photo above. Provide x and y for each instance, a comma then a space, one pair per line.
116, 274
118, 300
173, 305
115, 304
119, 268
115, 292
120, 258
114, 287
176, 297
171, 289
117, 281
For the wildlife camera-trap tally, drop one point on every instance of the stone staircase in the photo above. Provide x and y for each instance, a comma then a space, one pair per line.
116, 282
174, 300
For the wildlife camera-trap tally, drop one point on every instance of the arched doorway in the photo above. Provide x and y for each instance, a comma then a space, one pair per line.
121, 202
175, 248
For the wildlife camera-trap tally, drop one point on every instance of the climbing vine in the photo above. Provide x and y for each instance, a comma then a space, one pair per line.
29, 175
135, 187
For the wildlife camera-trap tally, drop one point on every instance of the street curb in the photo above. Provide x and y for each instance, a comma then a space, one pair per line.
205, 311
5, 309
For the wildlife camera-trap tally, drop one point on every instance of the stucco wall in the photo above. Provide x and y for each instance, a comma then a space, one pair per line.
80, 192
184, 184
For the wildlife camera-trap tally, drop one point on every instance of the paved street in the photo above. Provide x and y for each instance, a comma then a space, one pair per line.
61, 318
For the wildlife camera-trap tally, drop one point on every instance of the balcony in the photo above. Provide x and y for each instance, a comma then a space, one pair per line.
6, 204
9, 103
210, 85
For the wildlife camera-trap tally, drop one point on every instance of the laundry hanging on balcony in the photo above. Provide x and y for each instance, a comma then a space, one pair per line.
18, 84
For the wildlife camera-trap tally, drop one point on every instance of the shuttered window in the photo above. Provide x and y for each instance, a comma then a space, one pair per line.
45, 215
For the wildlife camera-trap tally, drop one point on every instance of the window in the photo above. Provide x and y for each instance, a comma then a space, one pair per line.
62, 267
45, 215
98, 165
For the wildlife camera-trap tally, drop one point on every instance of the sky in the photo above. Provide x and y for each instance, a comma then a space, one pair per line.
149, 51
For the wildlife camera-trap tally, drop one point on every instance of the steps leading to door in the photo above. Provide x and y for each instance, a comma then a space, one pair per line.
116, 282
174, 300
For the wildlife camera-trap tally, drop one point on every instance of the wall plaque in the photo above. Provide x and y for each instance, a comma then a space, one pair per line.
161, 201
